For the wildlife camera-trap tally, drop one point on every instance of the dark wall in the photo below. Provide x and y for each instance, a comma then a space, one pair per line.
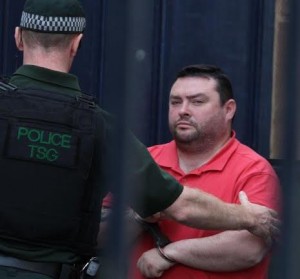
10, 58
133, 49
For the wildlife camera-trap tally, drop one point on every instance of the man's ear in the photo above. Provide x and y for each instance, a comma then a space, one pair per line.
230, 107
76, 44
18, 39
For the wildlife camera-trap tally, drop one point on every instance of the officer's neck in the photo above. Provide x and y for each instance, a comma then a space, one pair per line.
56, 61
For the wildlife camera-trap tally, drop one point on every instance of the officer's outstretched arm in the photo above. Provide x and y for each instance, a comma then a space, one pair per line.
199, 209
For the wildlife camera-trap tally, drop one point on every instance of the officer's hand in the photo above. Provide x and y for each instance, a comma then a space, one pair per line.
152, 265
265, 222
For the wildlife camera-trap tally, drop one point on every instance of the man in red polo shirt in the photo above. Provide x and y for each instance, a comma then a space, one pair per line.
205, 154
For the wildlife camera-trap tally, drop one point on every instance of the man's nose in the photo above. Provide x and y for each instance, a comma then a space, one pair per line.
184, 109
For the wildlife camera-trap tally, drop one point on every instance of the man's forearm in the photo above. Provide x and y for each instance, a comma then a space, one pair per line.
219, 252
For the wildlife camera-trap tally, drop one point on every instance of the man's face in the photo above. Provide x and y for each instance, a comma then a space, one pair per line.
195, 111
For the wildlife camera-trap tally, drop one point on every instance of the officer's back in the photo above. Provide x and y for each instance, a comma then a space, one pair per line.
49, 207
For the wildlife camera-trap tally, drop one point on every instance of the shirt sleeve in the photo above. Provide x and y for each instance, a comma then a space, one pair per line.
262, 185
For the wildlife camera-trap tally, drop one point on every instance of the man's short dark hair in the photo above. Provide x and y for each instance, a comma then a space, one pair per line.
224, 87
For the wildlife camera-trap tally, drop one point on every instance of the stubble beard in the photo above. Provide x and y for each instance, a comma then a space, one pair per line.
201, 138
187, 137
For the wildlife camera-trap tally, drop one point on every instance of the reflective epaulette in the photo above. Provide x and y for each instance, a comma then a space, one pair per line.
4, 86
87, 99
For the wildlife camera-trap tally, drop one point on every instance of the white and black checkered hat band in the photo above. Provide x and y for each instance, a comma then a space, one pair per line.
52, 24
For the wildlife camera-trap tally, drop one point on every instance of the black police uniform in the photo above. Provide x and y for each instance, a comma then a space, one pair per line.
158, 189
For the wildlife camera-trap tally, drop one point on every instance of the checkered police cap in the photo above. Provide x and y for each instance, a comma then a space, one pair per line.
53, 16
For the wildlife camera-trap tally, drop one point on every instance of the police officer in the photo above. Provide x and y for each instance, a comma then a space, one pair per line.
54, 145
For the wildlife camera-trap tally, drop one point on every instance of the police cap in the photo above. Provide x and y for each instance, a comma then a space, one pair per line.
53, 16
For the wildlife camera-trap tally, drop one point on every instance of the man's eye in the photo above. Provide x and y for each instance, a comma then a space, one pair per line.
197, 102
175, 102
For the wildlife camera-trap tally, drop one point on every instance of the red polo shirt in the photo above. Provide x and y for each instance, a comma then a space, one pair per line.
234, 168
